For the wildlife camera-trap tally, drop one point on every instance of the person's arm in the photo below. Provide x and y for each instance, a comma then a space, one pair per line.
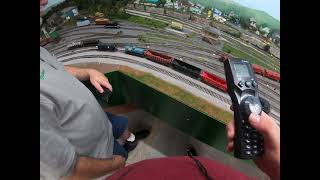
80, 73
96, 78
59, 157
90, 168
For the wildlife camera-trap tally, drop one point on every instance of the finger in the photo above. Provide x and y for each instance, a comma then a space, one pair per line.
263, 123
106, 84
230, 147
97, 86
231, 107
265, 105
230, 131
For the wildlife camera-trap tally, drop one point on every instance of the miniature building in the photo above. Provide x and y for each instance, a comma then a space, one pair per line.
211, 35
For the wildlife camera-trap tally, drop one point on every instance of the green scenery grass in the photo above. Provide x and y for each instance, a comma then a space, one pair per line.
139, 20
179, 94
157, 37
147, 22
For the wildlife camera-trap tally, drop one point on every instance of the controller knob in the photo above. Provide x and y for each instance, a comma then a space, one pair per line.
250, 104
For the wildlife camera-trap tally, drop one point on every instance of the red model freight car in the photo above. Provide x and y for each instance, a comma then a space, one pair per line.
272, 75
158, 57
214, 80
258, 69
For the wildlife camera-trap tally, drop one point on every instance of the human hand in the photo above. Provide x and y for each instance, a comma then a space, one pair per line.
118, 162
269, 162
98, 80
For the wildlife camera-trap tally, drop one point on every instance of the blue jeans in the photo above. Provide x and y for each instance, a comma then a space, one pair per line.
119, 125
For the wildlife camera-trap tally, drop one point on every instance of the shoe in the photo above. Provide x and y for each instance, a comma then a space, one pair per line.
141, 134
129, 146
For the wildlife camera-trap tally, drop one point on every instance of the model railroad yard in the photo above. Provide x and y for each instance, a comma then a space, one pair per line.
186, 46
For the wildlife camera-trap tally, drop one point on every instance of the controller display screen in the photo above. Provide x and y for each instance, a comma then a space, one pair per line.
241, 70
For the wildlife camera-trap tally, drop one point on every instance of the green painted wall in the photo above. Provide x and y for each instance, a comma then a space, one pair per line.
127, 90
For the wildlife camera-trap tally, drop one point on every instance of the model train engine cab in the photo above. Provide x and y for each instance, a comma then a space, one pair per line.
243, 91
135, 51
107, 47
186, 68
90, 42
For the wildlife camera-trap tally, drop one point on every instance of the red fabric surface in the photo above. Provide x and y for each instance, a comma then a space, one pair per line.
181, 167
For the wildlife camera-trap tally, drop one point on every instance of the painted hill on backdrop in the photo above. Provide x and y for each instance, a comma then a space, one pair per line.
261, 17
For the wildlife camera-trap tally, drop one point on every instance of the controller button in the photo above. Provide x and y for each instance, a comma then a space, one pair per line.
248, 153
248, 147
248, 84
254, 135
254, 84
240, 83
246, 135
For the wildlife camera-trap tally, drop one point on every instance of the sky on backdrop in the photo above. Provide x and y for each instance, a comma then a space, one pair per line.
271, 7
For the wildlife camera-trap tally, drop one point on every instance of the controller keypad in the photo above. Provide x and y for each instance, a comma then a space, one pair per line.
253, 141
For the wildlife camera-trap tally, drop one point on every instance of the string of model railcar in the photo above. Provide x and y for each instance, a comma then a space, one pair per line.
161, 70
190, 70
213, 80
211, 66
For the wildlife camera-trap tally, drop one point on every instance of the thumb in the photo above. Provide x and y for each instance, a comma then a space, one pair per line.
262, 123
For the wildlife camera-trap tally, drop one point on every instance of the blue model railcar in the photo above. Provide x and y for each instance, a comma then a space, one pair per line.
135, 51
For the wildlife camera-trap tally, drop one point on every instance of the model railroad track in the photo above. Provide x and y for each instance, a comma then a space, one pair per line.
160, 70
90, 37
258, 51
214, 67
270, 82
270, 88
93, 27
220, 69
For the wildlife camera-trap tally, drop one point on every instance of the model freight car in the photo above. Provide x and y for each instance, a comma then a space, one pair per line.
214, 80
158, 57
90, 42
112, 25
107, 47
101, 21
75, 45
134, 51
258, 69
176, 26
83, 23
272, 75
186, 68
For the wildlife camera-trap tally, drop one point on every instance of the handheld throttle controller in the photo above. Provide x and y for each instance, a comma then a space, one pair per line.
243, 91
106, 95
